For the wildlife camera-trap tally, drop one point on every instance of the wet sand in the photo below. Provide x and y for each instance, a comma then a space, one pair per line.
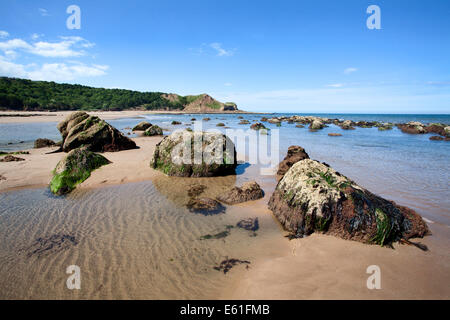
42, 116
137, 241
36, 170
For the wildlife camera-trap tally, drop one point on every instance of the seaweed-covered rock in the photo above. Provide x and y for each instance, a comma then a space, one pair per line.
154, 130
249, 191
243, 121
313, 197
142, 126
195, 154
220, 124
74, 169
80, 129
176, 123
43, 143
257, 126
335, 135
294, 155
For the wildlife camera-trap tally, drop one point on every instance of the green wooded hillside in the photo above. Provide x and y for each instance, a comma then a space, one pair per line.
21, 94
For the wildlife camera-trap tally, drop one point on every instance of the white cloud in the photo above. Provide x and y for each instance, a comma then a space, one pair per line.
51, 71
4, 34
350, 70
67, 47
221, 52
335, 85
227, 84
43, 12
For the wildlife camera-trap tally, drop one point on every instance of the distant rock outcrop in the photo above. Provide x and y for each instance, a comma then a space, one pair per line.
313, 197
80, 129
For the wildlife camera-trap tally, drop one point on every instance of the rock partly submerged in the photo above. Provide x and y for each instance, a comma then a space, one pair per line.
74, 169
311, 197
80, 129
195, 154
249, 191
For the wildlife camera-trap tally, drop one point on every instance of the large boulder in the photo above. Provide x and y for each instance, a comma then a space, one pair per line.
80, 129
195, 154
249, 191
294, 155
142, 126
313, 197
74, 169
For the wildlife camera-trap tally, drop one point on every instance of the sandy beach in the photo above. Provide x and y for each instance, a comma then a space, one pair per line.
315, 267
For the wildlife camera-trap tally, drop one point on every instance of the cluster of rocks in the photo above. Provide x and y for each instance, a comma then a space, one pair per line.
415, 127
82, 136
310, 196
315, 123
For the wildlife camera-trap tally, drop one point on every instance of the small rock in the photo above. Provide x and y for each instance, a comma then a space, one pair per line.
153, 130
43, 143
257, 126
10, 158
335, 135
249, 191
294, 155
175, 123
205, 206
142, 126
249, 224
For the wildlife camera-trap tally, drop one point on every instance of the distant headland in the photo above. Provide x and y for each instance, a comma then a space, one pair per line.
28, 95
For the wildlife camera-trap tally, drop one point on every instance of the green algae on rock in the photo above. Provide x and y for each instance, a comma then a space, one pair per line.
312, 197
74, 169
195, 154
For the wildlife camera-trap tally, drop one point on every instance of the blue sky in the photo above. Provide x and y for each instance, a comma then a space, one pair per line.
278, 56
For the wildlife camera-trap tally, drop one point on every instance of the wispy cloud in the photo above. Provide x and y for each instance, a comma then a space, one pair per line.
227, 84
36, 36
350, 70
335, 85
43, 12
3, 34
221, 52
